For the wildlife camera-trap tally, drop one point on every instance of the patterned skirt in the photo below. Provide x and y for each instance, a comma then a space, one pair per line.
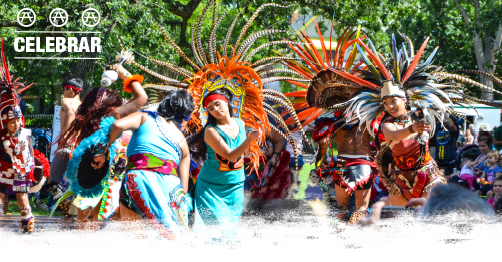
158, 198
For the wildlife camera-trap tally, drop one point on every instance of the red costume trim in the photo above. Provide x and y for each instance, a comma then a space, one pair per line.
135, 195
45, 163
352, 162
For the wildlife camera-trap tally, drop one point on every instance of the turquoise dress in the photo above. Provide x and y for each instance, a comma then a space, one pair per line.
219, 192
151, 186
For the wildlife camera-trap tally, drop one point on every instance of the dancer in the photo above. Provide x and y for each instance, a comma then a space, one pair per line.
354, 169
270, 183
406, 167
97, 191
158, 163
219, 193
238, 88
331, 84
69, 105
16, 154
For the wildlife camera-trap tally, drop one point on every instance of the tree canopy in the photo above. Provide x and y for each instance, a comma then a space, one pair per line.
133, 22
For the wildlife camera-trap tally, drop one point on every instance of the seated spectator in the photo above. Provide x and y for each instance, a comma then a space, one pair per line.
485, 145
495, 193
467, 172
491, 171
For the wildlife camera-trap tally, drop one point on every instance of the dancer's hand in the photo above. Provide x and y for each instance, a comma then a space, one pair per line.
255, 135
421, 127
99, 160
416, 202
123, 73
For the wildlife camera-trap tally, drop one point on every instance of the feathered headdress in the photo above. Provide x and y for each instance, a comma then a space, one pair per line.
9, 98
403, 77
332, 80
230, 70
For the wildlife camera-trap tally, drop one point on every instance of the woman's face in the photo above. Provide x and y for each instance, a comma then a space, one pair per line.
483, 147
497, 187
13, 125
394, 105
218, 108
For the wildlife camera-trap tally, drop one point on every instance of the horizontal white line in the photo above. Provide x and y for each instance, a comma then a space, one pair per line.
52, 32
59, 58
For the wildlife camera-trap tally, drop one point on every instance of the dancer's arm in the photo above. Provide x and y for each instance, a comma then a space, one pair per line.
391, 132
184, 167
214, 140
279, 146
139, 95
131, 122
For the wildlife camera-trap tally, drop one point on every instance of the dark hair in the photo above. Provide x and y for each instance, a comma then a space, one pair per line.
88, 117
471, 153
76, 82
450, 198
196, 143
485, 137
176, 105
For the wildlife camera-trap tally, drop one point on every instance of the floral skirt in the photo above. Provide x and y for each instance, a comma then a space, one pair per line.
158, 198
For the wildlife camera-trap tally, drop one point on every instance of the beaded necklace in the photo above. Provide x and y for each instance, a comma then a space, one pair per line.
402, 119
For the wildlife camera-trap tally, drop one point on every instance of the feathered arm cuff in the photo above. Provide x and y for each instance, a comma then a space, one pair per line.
128, 81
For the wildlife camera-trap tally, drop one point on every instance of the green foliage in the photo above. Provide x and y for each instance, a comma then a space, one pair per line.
36, 122
135, 26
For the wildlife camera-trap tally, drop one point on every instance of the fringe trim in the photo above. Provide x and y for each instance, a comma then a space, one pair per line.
128, 81
338, 180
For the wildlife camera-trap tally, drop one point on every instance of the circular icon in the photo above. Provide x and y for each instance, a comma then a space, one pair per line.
91, 17
58, 15
27, 15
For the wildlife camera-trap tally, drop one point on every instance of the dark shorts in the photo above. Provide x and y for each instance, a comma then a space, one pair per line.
292, 163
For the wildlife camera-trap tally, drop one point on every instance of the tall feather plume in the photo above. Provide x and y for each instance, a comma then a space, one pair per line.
413, 64
176, 47
194, 46
198, 37
261, 47
5, 65
253, 17
212, 39
495, 79
252, 38
410, 44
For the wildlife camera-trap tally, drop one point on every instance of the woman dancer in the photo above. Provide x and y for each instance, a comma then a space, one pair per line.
94, 190
415, 172
406, 167
219, 192
158, 163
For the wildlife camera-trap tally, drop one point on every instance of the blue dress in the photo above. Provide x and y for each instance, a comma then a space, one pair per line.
219, 191
151, 186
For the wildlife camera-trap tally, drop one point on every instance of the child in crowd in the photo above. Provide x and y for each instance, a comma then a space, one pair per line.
491, 171
467, 172
495, 194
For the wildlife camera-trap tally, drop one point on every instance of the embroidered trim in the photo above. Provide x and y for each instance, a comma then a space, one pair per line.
139, 202
163, 130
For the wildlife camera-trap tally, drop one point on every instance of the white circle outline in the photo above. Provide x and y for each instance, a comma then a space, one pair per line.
67, 17
91, 9
34, 18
